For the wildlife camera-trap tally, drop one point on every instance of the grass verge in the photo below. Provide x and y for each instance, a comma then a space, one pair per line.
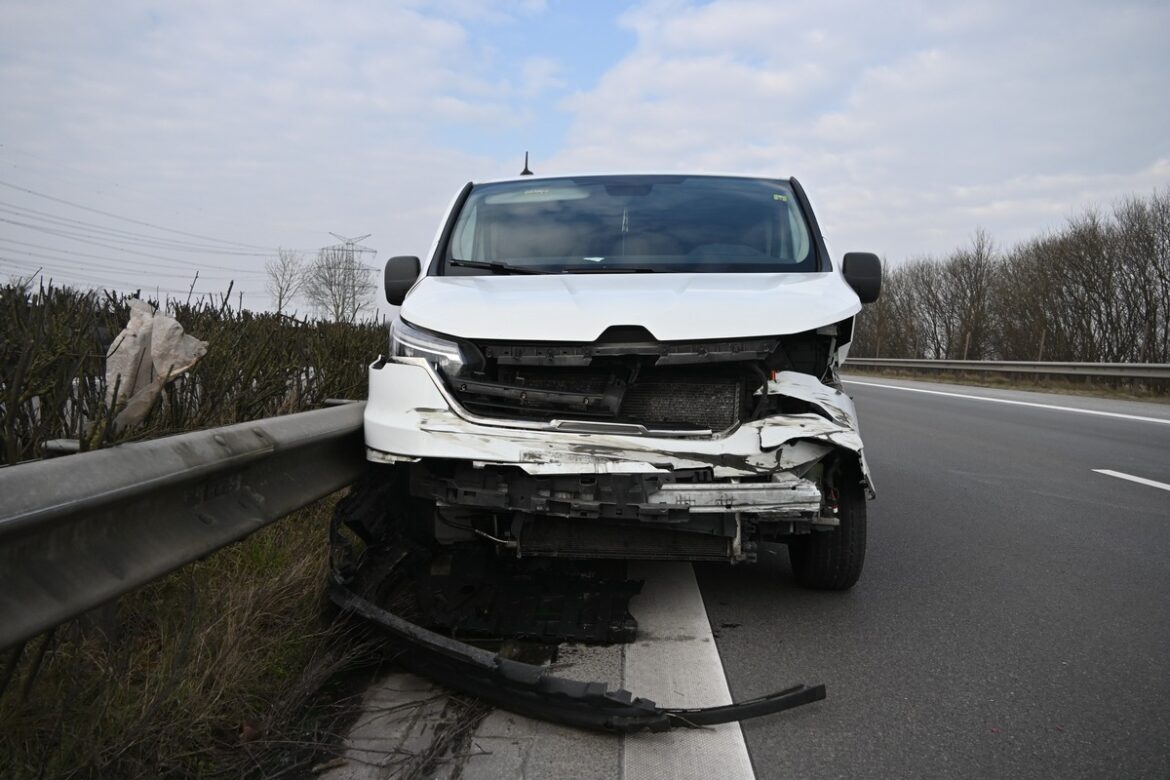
232, 666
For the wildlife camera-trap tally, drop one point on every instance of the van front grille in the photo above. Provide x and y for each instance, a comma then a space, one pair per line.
664, 398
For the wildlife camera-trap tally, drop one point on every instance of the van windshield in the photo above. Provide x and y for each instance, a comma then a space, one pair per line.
629, 224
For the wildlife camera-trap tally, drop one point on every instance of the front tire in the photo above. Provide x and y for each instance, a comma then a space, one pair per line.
832, 560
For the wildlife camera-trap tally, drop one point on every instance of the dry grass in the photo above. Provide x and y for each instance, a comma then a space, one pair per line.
211, 671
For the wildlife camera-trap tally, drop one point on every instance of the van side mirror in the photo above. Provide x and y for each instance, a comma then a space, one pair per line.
401, 273
863, 272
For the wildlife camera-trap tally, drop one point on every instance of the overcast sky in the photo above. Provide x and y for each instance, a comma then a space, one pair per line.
240, 127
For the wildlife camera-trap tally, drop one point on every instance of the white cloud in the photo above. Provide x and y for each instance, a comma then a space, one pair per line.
264, 123
886, 113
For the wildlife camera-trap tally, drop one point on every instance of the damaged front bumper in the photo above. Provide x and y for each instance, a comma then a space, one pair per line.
410, 416
593, 489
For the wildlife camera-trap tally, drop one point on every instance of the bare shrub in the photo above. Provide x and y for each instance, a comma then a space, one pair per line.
53, 343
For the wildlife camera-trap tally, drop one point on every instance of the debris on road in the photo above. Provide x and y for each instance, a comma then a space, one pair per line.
368, 573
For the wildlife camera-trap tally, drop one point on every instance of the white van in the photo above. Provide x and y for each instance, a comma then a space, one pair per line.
628, 366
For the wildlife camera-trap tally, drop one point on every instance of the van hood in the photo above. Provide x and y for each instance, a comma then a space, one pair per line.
672, 307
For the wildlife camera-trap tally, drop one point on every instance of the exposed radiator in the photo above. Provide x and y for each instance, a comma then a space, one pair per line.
664, 398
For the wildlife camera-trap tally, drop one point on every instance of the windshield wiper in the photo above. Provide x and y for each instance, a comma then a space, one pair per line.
506, 268
498, 268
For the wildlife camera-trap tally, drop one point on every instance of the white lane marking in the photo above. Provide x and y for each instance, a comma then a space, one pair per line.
675, 663
1117, 415
1132, 478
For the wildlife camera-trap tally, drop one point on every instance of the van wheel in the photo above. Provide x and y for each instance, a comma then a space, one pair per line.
832, 560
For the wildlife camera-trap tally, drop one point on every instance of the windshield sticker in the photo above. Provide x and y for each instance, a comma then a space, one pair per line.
778, 196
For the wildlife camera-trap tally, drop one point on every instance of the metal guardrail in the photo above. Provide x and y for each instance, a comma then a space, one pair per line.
78, 531
1116, 370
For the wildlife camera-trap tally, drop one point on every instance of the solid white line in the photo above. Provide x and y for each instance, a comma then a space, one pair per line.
675, 663
1132, 478
1117, 415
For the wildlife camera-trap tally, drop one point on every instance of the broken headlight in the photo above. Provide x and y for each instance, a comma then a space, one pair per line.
407, 341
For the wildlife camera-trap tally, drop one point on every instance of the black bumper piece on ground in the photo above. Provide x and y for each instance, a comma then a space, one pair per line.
530, 690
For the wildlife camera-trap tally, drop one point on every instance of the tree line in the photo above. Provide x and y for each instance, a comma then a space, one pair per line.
1096, 290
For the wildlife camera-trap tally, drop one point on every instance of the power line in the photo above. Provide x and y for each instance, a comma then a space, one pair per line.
80, 239
71, 277
37, 268
122, 235
67, 233
87, 186
180, 264
89, 281
131, 220
117, 269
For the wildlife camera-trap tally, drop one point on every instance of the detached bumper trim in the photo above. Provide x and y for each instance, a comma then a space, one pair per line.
530, 690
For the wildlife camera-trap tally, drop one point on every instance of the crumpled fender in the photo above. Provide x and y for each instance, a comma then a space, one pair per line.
833, 402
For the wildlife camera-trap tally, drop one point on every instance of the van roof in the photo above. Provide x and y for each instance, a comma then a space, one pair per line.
578, 175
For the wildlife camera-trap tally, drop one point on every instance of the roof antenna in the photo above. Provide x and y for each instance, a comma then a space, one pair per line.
526, 172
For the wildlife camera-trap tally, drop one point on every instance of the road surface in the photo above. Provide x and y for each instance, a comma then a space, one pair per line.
1013, 619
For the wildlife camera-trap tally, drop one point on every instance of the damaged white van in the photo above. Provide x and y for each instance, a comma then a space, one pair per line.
628, 366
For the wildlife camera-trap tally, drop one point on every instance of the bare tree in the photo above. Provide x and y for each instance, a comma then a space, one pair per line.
968, 275
286, 277
338, 286
1097, 289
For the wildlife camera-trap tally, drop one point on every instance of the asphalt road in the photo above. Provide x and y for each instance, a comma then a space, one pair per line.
1013, 619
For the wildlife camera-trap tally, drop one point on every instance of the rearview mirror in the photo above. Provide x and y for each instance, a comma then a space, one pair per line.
401, 273
863, 272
